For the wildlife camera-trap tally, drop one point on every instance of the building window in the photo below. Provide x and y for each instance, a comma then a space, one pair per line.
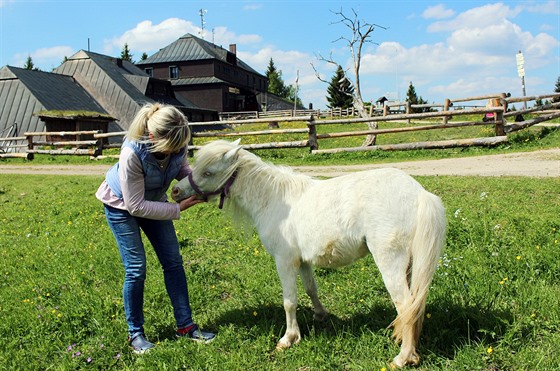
173, 72
149, 71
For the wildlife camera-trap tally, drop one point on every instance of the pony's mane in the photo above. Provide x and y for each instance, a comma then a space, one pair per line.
281, 179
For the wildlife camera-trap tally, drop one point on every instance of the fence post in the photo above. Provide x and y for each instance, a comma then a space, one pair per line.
499, 123
408, 108
504, 102
313, 143
446, 105
30, 146
98, 145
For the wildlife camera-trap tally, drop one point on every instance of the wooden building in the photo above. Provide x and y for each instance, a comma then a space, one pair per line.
123, 88
208, 75
89, 91
24, 93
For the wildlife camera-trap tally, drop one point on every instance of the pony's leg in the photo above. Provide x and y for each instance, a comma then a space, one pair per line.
393, 263
306, 271
287, 271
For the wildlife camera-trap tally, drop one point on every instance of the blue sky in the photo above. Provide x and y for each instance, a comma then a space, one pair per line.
451, 49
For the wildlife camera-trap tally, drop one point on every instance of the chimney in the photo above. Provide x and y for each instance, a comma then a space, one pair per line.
233, 48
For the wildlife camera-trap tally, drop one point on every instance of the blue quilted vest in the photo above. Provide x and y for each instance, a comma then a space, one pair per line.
156, 180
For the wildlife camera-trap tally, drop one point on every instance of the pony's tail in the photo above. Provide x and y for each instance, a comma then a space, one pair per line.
426, 249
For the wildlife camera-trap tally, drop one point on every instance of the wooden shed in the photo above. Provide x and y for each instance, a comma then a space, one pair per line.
61, 121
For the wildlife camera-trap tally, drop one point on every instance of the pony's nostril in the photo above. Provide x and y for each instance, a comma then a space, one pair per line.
175, 191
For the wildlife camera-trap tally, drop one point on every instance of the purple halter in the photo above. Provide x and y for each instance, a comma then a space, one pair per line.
223, 192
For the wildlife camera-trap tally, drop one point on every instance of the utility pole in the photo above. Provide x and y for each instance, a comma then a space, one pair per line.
521, 73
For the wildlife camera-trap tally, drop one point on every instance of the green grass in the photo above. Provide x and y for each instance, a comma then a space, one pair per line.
494, 303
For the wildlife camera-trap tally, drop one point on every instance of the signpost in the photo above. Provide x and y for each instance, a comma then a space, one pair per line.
521, 72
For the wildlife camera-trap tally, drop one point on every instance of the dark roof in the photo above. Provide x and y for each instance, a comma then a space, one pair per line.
106, 73
190, 48
23, 93
55, 92
117, 84
197, 81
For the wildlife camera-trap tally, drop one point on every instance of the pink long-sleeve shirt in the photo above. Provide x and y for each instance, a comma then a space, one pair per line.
131, 176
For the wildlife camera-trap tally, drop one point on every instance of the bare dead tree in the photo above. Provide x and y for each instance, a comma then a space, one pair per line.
360, 32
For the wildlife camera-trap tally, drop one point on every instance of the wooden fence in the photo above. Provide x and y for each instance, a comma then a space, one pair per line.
37, 143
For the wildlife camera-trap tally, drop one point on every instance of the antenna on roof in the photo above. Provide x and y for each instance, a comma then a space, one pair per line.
201, 12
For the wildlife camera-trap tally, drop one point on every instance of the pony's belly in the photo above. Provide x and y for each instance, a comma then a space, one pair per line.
337, 253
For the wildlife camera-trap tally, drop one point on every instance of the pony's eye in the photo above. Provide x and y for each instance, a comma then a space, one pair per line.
207, 174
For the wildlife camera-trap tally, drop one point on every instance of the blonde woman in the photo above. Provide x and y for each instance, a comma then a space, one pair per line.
134, 196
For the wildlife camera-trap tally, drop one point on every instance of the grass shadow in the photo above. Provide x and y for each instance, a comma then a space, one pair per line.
449, 327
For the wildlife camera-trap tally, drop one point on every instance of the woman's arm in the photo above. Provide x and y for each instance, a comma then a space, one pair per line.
131, 176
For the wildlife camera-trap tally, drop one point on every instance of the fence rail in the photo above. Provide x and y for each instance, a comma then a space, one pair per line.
43, 142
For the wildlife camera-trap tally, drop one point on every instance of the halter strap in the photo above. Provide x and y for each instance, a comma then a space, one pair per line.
223, 192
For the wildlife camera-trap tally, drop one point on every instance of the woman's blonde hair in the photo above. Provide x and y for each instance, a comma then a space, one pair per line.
169, 128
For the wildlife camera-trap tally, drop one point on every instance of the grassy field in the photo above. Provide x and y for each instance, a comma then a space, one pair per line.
494, 304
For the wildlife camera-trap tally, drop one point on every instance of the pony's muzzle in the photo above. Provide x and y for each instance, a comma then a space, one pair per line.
176, 194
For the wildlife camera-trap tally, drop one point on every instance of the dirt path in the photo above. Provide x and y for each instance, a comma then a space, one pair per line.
544, 163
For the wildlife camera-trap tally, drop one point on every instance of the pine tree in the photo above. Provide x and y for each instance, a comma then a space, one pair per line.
144, 56
557, 90
340, 91
275, 83
413, 98
125, 54
29, 64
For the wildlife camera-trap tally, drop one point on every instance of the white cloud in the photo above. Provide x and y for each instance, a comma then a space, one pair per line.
54, 52
252, 6
5, 2
290, 62
438, 12
42, 57
549, 7
222, 36
147, 37
480, 17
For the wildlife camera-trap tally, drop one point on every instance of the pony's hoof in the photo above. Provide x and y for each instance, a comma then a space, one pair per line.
413, 360
280, 347
320, 317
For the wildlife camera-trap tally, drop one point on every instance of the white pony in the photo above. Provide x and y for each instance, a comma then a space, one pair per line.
305, 222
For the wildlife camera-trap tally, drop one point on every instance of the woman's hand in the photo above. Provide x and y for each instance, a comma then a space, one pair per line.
188, 202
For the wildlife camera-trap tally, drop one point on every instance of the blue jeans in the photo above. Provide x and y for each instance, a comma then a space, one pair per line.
163, 238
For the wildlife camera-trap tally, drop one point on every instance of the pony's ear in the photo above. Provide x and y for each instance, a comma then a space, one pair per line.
236, 142
231, 155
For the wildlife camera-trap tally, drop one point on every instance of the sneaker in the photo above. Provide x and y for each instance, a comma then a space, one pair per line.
140, 344
194, 333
